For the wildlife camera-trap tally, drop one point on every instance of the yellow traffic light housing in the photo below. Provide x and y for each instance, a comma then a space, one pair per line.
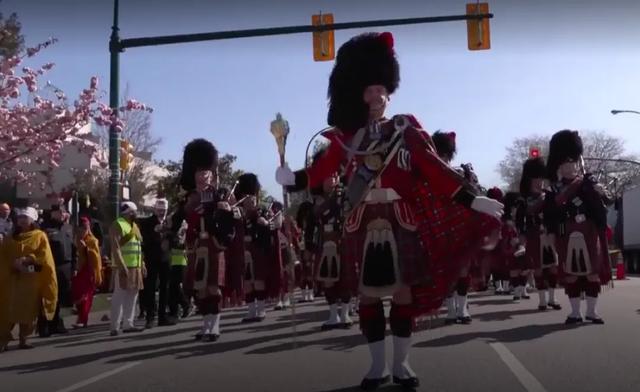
126, 155
478, 35
323, 41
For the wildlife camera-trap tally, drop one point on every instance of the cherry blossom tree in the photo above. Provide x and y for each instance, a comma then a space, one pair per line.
33, 129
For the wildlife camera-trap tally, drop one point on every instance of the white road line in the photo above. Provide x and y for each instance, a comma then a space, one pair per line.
528, 381
99, 377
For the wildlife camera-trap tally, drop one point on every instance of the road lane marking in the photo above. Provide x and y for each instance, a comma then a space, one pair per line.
99, 377
528, 380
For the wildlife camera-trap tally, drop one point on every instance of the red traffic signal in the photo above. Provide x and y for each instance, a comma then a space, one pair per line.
534, 152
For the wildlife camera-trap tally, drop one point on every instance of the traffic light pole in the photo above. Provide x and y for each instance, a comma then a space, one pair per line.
114, 98
116, 45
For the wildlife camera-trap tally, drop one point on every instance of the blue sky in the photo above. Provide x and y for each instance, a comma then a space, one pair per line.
553, 65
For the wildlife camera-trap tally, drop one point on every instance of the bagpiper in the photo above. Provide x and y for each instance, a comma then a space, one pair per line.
578, 219
541, 255
210, 230
393, 229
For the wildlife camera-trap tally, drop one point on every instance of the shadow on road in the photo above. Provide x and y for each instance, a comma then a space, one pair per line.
507, 315
501, 301
336, 343
519, 334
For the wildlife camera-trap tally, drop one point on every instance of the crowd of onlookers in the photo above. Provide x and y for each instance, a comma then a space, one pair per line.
46, 263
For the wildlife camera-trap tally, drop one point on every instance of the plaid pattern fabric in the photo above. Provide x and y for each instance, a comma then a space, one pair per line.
451, 235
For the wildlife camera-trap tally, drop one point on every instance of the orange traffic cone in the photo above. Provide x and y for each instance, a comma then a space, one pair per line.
620, 272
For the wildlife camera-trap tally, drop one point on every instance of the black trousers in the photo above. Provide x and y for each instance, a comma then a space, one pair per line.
176, 293
63, 276
157, 277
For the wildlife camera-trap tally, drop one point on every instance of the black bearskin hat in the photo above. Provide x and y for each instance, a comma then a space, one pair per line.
532, 168
565, 144
496, 194
199, 154
445, 143
276, 206
365, 60
248, 185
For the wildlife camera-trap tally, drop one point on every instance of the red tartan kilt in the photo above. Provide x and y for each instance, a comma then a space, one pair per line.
348, 282
597, 247
410, 252
451, 235
217, 268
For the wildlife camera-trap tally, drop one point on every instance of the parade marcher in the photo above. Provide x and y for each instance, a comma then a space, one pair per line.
498, 263
126, 255
541, 255
61, 243
252, 245
277, 283
154, 230
578, 219
6, 224
88, 275
307, 222
512, 246
390, 165
28, 283
457, 302
339, 279
210, 230
177, 297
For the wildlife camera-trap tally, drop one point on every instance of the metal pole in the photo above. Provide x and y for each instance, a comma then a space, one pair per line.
114, 97
182, 38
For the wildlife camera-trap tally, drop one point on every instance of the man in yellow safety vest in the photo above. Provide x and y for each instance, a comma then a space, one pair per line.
126, 253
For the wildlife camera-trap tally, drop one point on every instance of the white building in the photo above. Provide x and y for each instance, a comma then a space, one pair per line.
75, 160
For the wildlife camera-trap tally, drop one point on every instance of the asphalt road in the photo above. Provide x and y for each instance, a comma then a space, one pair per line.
509, 347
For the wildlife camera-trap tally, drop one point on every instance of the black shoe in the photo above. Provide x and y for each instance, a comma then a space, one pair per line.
166, 322
329, 327
449, 321
278, 308
345, 325
516, 298
132, 330
573, 320
113, 333
407, 383
210, 337
595, 320
542, 308
555, 306
526, 296
199, 336
371, 384
148, 324
465, 320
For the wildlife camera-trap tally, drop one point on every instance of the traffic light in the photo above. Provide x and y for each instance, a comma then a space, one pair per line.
534, 152
323, 41
126, 155
478, 37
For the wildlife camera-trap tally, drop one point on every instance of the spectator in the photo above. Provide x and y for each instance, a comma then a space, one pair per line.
89, 272
28, 285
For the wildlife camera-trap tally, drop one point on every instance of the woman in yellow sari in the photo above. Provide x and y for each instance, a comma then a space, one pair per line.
89, 272
28, 285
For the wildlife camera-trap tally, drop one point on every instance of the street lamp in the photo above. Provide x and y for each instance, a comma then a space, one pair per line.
614, 112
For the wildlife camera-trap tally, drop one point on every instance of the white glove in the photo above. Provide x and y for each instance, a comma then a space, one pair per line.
487, 206
284, 176
520, 251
